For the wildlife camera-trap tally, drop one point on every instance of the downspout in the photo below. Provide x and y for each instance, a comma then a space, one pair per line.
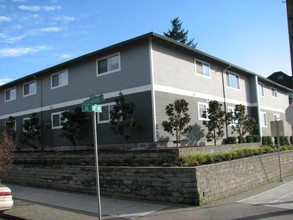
224, 95
154, 118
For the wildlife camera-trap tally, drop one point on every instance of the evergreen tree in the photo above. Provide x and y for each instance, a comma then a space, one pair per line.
74, 125
215, 122
178, 119
179, 34
122, 118
32, 131
240, 121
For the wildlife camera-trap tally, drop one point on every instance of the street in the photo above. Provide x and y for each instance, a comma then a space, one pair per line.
272, 201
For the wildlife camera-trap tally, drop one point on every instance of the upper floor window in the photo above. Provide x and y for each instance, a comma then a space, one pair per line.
10, 94
276, 117
202, 68
261, 89
104, 116
59, 79
274, 92
233, 80
108, 64
29, 88
202, 108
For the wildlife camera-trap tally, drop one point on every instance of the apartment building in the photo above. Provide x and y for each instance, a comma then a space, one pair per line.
151, 71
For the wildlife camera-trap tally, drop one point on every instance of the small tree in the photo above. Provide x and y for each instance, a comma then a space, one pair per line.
179, 34
122, 118
178, 119
240, 121
32, 131
215, 122
9, 128
74, 125
6, 156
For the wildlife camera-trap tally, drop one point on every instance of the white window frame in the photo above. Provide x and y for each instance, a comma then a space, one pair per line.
228, 80
11, 99
59, 73
198, 109
108, 58
274, 92
23, 120
109, 105
30, 93
232, 109
60, 115
261, 91
202, 64
264, 123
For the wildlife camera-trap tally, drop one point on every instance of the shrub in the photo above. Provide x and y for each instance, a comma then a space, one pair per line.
267, 141
249, 139
230, 140
241, 140
256, 138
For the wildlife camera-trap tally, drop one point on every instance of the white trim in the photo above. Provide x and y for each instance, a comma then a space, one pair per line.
199, 116
154, 115
262, 107
60, 115
29, 83
275, 91
276, 115
24, 119
77, 101
266, 119
103, 105
228, 81
263, 89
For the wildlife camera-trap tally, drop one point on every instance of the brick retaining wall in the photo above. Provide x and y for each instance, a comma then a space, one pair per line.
189, 185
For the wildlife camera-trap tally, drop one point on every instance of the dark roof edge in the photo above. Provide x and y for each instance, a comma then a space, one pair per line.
147, 35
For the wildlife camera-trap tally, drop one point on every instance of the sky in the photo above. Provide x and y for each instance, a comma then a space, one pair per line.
38, 34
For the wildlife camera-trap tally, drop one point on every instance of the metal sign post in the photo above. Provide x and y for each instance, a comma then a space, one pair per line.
97, 165
278, 145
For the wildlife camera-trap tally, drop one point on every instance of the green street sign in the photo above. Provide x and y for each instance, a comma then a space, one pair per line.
94, 100
91, 108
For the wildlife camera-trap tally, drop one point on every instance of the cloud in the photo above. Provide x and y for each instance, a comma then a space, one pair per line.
65, 56
4, 81
50, 29
14, 52
4, 18
64, 18
39, 8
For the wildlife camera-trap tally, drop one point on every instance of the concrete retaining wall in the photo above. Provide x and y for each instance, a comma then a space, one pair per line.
189, 185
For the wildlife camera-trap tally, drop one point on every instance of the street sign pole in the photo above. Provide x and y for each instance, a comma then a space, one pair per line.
97, 165
278, 146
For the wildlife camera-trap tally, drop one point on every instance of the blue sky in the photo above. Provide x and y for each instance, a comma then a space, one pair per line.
37, 34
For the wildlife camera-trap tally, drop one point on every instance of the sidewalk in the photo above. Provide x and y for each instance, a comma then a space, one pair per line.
82, 203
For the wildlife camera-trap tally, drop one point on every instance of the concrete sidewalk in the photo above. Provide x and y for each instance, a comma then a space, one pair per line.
86, 203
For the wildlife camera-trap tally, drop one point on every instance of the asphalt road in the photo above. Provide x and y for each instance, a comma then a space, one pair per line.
273, 201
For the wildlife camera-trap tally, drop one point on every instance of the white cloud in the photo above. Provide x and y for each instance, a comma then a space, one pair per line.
65, 56
64, 18
50, 29
4, 81
4, 18
14, 52
39, 8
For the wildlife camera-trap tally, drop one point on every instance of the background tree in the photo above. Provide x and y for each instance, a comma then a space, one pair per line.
178, 119
32, 131
6, 156
240, 121
215, 122
122, 118
179, 34
75, 125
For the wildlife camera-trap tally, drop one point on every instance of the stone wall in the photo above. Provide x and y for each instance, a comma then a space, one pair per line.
189, 185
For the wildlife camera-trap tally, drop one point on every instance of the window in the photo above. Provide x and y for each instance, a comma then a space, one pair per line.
59, 79
232, 110
10, 94
104, 116
276, 117
233, 80
202, 68
25, 120
263, 119
274, 92
56, 121
10, 124
108, 64
202, 108
29, 88
260, 89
